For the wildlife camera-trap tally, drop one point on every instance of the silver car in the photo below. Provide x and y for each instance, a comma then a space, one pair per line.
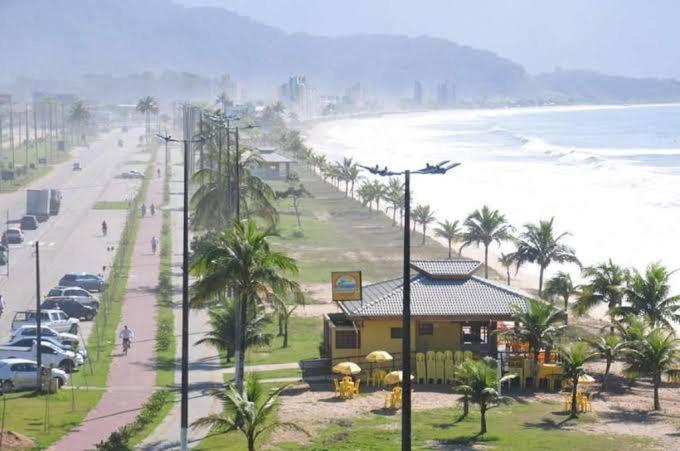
80, 295
17, 374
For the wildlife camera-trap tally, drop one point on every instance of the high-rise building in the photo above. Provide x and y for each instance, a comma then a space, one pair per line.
446, 94
418, 93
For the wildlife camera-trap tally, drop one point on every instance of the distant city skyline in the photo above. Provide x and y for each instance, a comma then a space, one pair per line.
618, 37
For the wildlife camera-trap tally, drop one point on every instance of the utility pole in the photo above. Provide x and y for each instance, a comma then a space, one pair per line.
26, 143
35, 133
11, 135
406, 322
38, 332
185, 305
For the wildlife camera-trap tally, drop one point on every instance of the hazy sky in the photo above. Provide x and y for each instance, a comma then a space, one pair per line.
625, 37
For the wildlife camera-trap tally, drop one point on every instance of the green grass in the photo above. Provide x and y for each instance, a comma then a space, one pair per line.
20, 158
529, 426
274, 374
111, 205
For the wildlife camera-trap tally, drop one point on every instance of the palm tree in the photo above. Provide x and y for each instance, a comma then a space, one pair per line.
251, 412
395, 196
147, 106
284, 307
479, 383
606, 285
352, 175
222, 319
450, 232
538, 325
79, 115
366, 193
560, 285
241, 258
655, 353
573, 359
649, 295
610, 347
485, 226
379, 190
349, 173
507, 260
423, 215
539, 244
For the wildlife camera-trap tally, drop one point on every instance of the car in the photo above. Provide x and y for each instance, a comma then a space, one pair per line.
65, 338
133, 174
76, 166
56, 319
28, 341
51, 355
71, 307
79, 294
29, 222
16, 374
12, 236
90, 282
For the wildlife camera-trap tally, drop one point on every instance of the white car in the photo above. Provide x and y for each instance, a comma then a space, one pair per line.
22, 373
79, 294
28, 342
51, 355
56, 319
65, 338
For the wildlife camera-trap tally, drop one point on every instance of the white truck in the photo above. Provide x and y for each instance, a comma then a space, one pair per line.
38, 203
51, 355
56, 319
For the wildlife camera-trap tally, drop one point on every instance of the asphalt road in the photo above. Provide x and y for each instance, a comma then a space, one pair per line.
72, 240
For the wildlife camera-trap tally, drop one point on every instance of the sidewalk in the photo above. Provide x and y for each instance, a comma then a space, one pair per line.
131, 377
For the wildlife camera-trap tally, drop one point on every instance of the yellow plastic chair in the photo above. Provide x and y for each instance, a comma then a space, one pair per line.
439, 367
448, 355
431, 366
449, 371
458, 357
378, 376
355, 389
421, 374
467, 355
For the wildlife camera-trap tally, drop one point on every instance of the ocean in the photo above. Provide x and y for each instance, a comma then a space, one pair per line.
609, 175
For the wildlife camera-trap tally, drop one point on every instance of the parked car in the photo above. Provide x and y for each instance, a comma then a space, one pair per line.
76, 166
28, 341
29, 222
65, 338
12, 236
71, 307
56, 319
89, 282
79, 294
133, 174
50, 354
16, 374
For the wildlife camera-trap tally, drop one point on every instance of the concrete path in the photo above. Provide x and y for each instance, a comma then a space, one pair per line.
119, 406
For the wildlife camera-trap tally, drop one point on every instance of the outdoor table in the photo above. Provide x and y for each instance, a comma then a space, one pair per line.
674, 375
548, 371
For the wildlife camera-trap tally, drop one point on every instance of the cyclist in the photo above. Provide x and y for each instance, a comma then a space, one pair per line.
152, 209
104, 228
126, 335
154, 244
158, 171
143, 210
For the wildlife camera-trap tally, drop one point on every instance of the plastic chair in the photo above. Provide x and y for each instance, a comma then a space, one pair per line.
421, 374
467, 355
458, 357
449, 371
431, 366
378, 376
355, 389
448, 355
439, 367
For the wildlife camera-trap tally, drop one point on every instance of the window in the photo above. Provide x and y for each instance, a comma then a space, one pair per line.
54, 293
467, 335
426, 329
483, 334
475, 333
395, 332
346, 339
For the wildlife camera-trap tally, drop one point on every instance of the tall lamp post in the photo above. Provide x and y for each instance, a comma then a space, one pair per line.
440, 168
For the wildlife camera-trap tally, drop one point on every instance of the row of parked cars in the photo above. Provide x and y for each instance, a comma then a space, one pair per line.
60, 315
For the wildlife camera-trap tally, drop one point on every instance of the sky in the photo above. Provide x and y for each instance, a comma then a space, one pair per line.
636, 38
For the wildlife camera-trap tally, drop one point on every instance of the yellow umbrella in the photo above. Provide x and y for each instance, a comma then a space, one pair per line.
347, 368
394, 377
586, 379
379, 356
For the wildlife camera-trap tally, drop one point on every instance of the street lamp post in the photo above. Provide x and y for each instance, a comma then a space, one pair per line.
441, 168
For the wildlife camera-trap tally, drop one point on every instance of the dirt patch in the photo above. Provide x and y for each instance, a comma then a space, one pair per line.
318, 293
13, 440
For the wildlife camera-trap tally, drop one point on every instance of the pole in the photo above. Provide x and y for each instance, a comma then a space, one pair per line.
240, 329
230, 204
26, 129
11, 135
38, 332
35, 133
238, 179
185, 305
406, 323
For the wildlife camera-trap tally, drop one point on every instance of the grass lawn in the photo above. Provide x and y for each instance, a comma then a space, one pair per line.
530, 426
111, 205
21, 156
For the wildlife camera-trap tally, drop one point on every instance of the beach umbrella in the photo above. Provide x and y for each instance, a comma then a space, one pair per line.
586, 379
394, 377
347, 368
379, 356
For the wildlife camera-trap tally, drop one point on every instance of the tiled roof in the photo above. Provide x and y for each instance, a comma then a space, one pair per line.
445, 268
471, 297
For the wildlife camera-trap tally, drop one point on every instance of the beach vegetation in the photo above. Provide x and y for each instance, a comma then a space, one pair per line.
451, 232
485, 226
572, 360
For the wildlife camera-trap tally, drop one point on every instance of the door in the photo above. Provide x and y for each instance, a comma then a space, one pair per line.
21, 376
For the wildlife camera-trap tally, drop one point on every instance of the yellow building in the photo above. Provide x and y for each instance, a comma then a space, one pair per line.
451, 309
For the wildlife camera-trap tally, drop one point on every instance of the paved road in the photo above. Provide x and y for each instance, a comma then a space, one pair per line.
71, 241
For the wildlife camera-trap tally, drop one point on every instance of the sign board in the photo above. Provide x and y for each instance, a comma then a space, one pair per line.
346, 285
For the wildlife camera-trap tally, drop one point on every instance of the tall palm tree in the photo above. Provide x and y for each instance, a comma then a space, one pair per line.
379, 190
78, 115
366, 194
479, 383
284, 306
507, 261
573, 359
606, 284
485, 226
450, 232
423, 215
395, 196
610, 347
560, 286
655, 353
147, 106
649, 295
540, 244
251, 411
538, 325
241, 258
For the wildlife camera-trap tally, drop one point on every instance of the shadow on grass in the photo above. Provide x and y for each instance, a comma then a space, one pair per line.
385, 412
548, 424
618, 414
466, 442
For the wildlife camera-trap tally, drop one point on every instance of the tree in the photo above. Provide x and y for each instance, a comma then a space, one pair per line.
649, 294
573, 359
251, 412
379, 192
222, 318
606, 284
423, 215
366, 193
241, 258
485, 226
655, 353
349, 173
147, 106
538, 325
610, 347
539, 244
284, 306
395, 196
450, 232
560, 286
480, 380
295, 192
79, 114
507, 260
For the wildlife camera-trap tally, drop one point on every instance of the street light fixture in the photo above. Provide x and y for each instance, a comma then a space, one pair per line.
440, 168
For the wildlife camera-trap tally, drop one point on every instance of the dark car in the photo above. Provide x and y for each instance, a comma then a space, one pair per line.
71, 307
90, 282
29, 222
12, 236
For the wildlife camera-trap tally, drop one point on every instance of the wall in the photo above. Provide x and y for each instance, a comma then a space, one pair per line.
446, 337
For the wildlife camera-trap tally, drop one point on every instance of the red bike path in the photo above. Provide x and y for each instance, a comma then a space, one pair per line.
132, 377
